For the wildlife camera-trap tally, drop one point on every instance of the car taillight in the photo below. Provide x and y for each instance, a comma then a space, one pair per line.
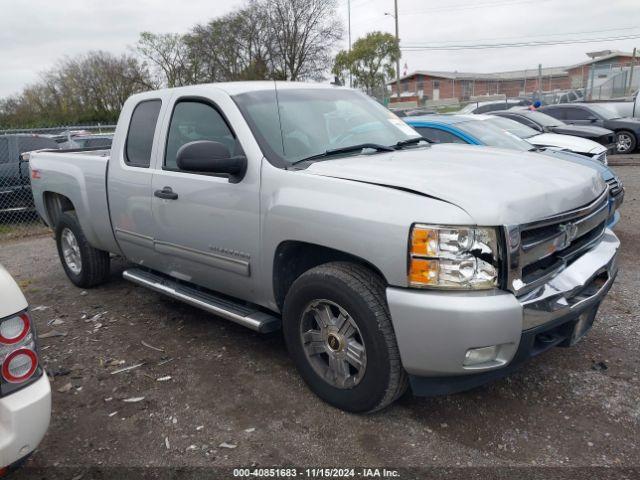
19, 365
14, 329
18, 357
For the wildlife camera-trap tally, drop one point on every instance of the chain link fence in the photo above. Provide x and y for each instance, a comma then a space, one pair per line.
18, 217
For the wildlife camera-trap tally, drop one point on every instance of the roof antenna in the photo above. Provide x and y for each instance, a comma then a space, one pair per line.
275, 87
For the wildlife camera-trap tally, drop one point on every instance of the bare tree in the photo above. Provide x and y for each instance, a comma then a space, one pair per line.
281, 39
169, 55
232, 47
303, 36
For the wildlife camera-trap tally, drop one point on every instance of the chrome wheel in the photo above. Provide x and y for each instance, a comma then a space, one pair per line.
333, 344
624, 142
71, 251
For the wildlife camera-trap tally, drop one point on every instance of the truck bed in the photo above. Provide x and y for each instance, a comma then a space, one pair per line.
80, 176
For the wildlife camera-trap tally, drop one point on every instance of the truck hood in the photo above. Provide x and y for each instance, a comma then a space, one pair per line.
569, 142
494, 186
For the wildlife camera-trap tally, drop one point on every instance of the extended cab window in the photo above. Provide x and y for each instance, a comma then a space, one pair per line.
141, 131
194, 120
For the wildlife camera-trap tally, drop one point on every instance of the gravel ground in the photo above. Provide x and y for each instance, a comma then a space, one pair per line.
231, 397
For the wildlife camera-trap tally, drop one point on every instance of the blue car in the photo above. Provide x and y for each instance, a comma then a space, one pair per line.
466, 129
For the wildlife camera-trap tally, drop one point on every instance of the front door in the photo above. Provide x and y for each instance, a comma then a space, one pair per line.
206, 227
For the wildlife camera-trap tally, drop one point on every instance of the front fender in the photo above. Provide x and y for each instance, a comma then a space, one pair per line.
368, 221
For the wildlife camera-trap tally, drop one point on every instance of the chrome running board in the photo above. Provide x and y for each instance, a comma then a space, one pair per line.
224, 307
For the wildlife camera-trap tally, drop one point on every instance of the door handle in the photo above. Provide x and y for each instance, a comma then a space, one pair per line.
166, 193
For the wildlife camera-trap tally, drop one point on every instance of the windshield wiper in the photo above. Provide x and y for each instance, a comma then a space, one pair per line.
411, 141
352, 148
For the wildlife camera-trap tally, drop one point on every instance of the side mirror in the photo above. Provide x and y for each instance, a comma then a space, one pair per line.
592, 119
205, 156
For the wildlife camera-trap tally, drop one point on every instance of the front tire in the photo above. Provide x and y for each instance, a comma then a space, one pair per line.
626, 142
338, 330
85, 266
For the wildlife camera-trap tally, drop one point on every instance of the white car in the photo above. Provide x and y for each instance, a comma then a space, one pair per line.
25, 394
555, 141
491, 106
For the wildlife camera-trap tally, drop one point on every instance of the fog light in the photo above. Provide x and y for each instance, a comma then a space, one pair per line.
474, 356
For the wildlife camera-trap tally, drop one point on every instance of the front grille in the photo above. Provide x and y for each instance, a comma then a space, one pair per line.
615, 186
546, 246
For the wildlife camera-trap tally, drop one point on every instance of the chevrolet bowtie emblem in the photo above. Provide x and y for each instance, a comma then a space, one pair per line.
569, 233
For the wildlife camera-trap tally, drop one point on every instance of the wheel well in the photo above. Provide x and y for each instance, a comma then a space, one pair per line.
293, 258
626, 130
56, 204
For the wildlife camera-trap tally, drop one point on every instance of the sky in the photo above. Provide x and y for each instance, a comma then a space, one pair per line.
35, 34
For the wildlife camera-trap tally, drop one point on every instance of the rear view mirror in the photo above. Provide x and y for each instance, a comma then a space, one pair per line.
205, 156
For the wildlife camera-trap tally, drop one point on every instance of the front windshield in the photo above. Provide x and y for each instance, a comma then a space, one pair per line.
511, 126
292, 124
493, 136
603, 112
544, 119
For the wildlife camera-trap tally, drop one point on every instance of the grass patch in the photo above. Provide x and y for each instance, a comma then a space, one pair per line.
12, 231
6, 229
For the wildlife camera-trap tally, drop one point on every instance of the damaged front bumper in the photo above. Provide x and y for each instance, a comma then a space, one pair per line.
437, 330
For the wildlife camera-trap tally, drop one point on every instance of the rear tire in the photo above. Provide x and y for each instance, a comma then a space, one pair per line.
626, 142
354, 362
85, 266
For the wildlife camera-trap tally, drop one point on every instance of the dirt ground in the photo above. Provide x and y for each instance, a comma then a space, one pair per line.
216, 394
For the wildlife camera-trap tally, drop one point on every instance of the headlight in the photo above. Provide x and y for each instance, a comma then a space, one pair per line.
453, 257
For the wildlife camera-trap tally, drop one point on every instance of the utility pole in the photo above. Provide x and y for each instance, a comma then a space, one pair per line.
591, 79
633, 62
349, 20
398, 39
540, 81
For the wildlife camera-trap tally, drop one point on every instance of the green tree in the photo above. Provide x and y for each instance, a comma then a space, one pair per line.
370, 62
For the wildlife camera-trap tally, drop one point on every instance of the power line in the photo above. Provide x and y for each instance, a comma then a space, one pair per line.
455, 8
516, 44
522, 38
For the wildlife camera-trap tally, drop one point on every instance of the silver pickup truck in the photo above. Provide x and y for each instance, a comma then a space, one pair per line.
386, 261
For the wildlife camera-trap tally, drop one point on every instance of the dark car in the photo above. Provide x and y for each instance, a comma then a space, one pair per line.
544, 123
15, 186
88, 141
627, 129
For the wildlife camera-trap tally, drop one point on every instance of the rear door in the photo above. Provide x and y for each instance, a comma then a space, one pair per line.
208, 233
129, 178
